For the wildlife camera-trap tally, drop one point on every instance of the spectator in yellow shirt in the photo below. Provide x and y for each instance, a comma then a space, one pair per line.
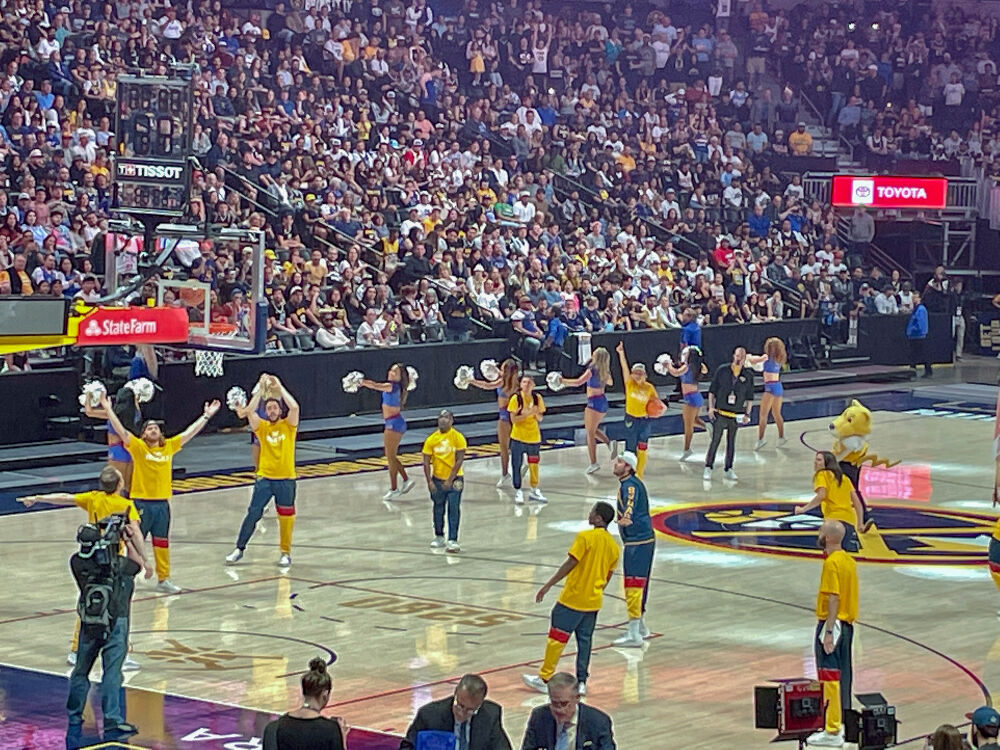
800, 143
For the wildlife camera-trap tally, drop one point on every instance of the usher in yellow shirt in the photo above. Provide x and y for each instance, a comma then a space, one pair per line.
277, 449
840, 577
152, 467
596, 555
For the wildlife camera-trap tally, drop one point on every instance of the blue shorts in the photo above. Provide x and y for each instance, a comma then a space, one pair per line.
396, 424
598, 403
637, 560
694, 398
504, 416
774, 388
637, 431
117, 452
154, 519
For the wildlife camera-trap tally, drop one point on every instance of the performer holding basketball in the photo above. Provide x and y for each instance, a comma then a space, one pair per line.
691, 369
588, 568
126, 406
393, 391
636, 529
153, 460
526, 410
275, 470
730, 400
597, 376
774, 359
505, 386
836, 498
640, 395
244, 412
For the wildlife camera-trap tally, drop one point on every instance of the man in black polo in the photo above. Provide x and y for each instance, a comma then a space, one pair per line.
730, 400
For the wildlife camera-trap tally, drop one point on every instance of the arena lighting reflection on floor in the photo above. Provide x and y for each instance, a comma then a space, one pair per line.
911, 482
33, 710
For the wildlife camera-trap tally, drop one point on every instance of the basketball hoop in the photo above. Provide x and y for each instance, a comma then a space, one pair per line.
209, 362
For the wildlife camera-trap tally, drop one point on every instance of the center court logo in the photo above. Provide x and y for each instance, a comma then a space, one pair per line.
862, 192
902, 535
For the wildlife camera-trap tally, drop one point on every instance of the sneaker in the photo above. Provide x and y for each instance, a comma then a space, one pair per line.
627, 640
825, 739
408, 485
731, 475
593, 468
536, 496
284, 561
391, 495
71, 656
130, 665
166, 586
759, 444
685, 455
782, 442
121, 728
644, 632
438, 542
518, 497
234, 557
581, 689
453, 547
535, 683
504, 481
707, 474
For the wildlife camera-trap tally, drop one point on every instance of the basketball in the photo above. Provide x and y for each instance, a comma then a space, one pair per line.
655, 408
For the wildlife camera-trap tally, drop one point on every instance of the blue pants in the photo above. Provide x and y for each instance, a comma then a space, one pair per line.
450, 499
637, 566
853, 472
112, 653
283, 492
836, 666
637, 431
518, 451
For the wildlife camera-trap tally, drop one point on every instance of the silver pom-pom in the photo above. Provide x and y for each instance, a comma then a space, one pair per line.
662, 362
463, 377
352, 381
414, 376
236, 398
554, 381
489, 369
143, 389
759, 364
687, 350
91, 395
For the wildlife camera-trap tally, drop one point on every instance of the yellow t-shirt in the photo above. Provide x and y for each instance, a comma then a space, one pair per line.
526, 431
840, 577
837, 505
277, 449
596, 553
101, 505
442, 447
152, 468
637, 396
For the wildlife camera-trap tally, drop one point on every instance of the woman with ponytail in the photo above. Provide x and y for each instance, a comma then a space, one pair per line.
306, 728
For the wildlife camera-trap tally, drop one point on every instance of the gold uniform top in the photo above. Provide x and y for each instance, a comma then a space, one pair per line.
277, 449
837, 505
839, 577
596, 554
152, 468
442, 447
637, 396
527, 431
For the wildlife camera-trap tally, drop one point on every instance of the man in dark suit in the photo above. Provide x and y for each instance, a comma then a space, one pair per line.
567, 724
474, 721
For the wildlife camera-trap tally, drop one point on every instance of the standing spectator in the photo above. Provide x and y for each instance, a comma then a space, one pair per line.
531, 337
458, 310
916, 333
466, 717
566, 723
861, 235
556, 334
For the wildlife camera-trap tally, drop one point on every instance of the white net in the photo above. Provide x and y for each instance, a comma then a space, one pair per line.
208, 362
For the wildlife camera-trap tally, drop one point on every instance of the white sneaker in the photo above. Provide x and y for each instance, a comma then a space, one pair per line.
391, 495
644, 632
536, 496
71, 657
685, 455
284, 561
626, 640
130, 665
408, 485
438, 542
518, 497
504, 481
781, 442
760, 444
825, 739
453, 547
535, 682
731, 475
581, 689
234, 557
166, 586
593, 468
707, 474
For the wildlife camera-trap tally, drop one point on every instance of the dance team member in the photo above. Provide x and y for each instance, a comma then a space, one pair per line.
126, 406
526, 410
393, 392
638, 393
636, 530
597, 376
505, 386
691, 369
774, 359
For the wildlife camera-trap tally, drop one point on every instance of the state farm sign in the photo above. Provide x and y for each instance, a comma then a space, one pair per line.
878, 191
111, 326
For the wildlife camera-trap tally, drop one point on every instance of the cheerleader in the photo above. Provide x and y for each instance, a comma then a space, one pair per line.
773, 359
836, 498
597, 376
505, 386
691, 369
639, 392
129, 412
393, 392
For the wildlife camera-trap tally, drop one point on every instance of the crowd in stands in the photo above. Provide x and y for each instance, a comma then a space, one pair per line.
424, 173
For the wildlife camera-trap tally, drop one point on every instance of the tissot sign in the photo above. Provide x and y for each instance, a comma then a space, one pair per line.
880, 191
133, 325
141, 170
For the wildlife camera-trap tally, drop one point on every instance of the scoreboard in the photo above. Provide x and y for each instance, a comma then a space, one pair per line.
153, 125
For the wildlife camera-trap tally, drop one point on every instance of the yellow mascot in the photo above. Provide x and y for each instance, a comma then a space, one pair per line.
850, 445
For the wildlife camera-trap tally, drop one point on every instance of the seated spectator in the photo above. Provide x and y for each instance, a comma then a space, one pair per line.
566, 723
472, 721
306, 727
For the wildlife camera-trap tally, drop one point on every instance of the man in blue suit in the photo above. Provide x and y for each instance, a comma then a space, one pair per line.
565, 723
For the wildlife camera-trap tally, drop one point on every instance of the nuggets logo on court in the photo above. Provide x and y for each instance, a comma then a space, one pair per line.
902, 535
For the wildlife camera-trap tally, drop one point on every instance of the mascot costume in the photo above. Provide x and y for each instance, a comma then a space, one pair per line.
850, 446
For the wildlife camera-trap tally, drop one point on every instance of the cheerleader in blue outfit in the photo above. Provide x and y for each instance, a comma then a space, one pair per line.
774, 359
393, 392
505, 386
689, 372
597, 376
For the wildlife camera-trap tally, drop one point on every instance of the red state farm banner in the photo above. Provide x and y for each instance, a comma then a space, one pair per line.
881, 191
110, 326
